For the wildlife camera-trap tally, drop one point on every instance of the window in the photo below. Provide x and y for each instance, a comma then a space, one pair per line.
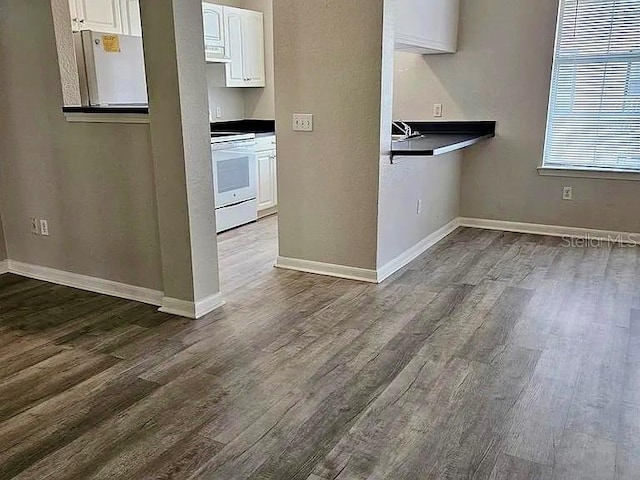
594, 106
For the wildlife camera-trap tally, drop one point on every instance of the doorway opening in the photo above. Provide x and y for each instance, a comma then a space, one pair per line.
240, 80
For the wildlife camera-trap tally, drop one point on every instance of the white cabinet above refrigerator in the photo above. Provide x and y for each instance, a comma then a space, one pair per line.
109, 16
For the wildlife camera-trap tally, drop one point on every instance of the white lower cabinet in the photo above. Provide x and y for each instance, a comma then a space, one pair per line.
267, 174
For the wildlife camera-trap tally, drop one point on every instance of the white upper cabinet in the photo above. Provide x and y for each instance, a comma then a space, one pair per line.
110, 16
75, 19
234, 42
99, 15
244, 43
427, 26
214, 45
131, 17
253, 48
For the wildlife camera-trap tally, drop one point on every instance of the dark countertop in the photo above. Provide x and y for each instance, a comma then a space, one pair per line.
438, 138
261, 128
135, 109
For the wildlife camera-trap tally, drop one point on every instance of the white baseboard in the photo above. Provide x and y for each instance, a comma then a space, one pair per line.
115, 289
198, 309
329, 269
184, 308
418, 249
267, 212
84, 282
362, 274
551, 230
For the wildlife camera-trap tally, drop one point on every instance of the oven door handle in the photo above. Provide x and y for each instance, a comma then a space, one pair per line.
238, 146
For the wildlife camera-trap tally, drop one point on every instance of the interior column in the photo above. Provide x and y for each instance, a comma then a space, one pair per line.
180, 137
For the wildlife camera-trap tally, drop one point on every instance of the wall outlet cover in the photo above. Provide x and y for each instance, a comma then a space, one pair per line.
303, 122
437, 110
567, 193
44, 228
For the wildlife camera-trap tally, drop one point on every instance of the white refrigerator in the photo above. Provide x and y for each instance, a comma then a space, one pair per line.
111, 69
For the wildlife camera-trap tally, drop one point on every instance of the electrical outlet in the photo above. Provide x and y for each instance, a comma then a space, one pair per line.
44, 228
567, 193
34, 226
218, 112
419, 208
437, 110
302, 122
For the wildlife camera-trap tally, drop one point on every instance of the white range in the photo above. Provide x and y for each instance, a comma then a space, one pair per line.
234, 179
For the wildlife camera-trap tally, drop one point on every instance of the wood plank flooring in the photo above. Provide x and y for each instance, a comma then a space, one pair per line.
492, 356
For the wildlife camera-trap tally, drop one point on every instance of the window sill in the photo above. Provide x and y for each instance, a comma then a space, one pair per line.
590, 173
81, 117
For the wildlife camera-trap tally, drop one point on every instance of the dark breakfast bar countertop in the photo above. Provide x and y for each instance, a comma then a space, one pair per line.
438, 138
129, 109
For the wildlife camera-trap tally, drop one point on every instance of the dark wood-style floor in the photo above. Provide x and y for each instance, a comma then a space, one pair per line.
493, 356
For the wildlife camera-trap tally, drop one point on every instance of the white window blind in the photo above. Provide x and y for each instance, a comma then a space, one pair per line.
594, 107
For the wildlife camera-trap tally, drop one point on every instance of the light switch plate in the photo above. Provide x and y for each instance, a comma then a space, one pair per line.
302, 122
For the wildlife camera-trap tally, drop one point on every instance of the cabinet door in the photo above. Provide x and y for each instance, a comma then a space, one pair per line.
212, 18
75, 19
266, 194
274, 178
253, 30
100, 15
427, 27
131, 17
234, 41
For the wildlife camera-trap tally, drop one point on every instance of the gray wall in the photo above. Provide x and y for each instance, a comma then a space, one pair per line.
66, 53
231, 100
3, 247
181, 141
93, 182
328, 62
433, 180
502, 72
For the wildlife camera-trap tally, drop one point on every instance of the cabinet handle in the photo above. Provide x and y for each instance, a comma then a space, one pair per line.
82, 21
